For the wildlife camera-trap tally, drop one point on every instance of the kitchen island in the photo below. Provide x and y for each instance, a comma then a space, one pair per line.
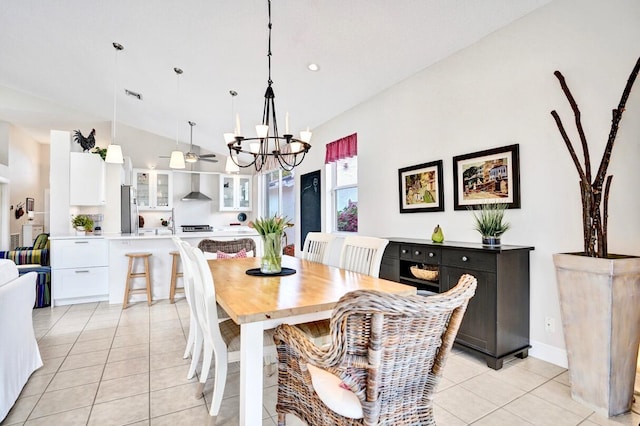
94, 268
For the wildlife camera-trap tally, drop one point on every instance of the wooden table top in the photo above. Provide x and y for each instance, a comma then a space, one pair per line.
313, 288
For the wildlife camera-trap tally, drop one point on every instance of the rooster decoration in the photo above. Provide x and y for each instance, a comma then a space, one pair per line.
86, 143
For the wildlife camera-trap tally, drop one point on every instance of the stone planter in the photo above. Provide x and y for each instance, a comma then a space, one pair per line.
600, 304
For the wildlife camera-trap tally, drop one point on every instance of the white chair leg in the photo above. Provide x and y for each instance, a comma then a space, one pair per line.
190, 339
206, 363
195, 357
220, 381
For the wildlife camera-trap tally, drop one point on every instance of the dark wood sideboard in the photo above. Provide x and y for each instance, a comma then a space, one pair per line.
496, 323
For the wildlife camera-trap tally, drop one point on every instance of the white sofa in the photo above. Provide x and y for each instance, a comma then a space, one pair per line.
19, 353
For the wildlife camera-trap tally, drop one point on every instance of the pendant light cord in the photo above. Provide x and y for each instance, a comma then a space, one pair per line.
269, 46
118, 47
178, 72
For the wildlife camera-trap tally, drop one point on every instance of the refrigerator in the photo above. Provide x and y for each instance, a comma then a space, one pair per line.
128, 210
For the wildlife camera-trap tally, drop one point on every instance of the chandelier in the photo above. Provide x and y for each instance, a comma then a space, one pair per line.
268, 148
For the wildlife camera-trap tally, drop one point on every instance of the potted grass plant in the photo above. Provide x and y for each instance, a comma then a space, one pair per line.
598, 291
490, 223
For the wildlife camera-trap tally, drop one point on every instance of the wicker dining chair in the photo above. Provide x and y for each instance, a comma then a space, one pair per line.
232, 246
383, 365
317, 247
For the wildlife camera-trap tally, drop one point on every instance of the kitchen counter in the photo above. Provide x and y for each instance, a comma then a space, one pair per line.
160, 262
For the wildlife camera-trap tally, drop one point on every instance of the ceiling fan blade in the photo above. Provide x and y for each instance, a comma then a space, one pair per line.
206, 155
163, 156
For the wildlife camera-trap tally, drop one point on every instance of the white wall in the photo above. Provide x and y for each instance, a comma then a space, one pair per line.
25, 167
498, 92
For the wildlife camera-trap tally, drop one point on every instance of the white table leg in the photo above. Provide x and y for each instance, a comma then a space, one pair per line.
251, 354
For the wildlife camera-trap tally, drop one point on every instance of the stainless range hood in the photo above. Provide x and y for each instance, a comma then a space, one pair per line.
195, 193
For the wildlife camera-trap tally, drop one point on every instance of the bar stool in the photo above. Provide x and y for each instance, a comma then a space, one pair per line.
174, 276
131, 275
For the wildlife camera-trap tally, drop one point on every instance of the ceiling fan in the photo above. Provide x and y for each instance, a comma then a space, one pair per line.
191, 156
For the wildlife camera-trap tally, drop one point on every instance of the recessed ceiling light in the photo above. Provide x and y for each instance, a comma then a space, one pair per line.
313, 67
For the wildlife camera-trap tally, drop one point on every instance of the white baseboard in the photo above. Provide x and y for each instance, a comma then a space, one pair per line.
549, 353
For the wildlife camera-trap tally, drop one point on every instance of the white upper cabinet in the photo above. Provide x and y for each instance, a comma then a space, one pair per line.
235, 193
154, 189
86, 179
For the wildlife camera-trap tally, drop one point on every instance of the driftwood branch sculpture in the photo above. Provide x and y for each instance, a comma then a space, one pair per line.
595, 200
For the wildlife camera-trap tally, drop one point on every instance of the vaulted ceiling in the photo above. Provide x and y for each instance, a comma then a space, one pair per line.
58, 66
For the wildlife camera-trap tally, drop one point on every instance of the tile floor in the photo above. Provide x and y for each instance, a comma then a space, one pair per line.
106, 366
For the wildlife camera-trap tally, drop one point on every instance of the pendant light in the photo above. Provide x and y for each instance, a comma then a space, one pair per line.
269, 148
231, 165
177, 157
114, 151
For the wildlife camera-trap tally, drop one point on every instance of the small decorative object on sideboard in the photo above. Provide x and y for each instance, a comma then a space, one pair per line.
102, 152
82, 223
490, 223
438, 235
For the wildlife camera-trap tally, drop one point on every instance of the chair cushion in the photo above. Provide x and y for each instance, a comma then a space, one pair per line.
332, 393
240, 255
41, 242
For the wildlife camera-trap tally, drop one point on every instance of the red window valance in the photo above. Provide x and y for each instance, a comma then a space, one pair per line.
342, 148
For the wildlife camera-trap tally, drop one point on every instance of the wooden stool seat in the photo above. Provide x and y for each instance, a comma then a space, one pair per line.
131, 275
174, 276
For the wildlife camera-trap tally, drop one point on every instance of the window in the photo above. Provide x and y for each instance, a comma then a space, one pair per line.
342, 181
279, 196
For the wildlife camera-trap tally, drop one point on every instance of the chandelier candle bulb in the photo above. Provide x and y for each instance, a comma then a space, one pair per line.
296, 147
238, 133
262, 130
305, 135
229, 137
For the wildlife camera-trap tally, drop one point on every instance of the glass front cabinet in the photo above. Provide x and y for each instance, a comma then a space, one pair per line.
235, 193
154, 189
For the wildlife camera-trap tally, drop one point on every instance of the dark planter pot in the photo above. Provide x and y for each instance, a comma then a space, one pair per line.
490, 241
599, 300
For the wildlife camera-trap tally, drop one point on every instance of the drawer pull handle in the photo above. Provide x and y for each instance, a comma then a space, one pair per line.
81, 242
82, 272
431, 254
465, 258
417, 253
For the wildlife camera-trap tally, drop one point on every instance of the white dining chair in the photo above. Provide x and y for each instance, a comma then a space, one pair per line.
363, 254
221, 339
194, 341
317, 247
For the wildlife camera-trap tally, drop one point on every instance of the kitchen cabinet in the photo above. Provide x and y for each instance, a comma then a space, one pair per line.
80, 270
154, 189
86, 179
235, 193
496, 323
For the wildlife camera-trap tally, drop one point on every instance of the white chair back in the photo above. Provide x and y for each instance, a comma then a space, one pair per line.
363, 254
317, 247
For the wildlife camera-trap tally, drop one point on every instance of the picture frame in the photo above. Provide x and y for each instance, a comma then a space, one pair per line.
490, 176
30, 205
421, 188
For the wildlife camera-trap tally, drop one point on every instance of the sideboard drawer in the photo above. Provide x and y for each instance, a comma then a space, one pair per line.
420, 253
469, 259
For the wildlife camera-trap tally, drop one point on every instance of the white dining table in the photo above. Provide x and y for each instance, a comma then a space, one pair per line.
260, 303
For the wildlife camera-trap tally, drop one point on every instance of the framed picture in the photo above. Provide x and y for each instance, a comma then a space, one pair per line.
491, 176
30, 205
421, 188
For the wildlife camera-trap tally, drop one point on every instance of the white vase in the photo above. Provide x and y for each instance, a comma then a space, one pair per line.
601, 323
80, 231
